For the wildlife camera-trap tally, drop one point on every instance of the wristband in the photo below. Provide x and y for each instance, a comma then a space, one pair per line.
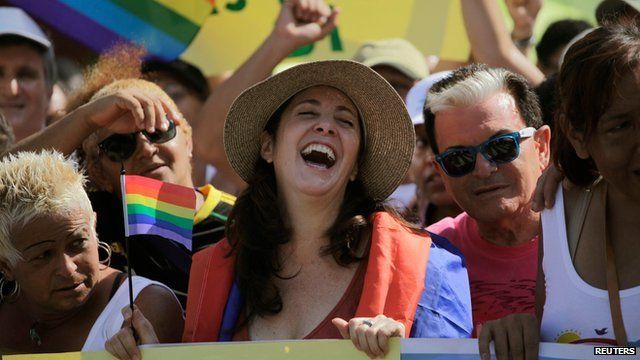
526, 42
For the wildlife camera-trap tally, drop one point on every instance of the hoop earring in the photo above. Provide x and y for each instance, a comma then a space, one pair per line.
103, 245
13, 294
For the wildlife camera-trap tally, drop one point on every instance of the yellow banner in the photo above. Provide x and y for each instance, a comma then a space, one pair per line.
237, 27
287, 350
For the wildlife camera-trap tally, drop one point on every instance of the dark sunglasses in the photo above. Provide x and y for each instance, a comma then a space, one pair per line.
500, 149
120, 147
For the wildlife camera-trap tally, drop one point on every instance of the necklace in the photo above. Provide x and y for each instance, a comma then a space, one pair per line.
33, 334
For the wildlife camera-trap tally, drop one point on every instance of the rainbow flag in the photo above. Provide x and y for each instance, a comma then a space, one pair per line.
164, 27
153, 207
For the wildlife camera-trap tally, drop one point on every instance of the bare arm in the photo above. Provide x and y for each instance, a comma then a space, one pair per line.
490, 41
123, 112
524, 14
299, 23
163, 311
157, 318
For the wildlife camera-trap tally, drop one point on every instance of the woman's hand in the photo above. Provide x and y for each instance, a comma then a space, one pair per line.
370, 335
545, 194
123, 344
129, 110
515, 336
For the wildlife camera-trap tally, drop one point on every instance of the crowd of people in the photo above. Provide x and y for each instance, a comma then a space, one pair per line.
363, 199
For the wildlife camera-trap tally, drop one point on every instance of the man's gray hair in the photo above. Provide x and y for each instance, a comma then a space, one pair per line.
470, 91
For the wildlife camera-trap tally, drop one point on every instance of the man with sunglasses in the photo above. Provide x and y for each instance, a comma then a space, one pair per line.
485, 128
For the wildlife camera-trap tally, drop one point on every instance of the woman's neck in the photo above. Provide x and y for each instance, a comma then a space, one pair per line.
309, 218
623, 210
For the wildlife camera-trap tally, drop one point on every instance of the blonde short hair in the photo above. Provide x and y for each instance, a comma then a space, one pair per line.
35, 184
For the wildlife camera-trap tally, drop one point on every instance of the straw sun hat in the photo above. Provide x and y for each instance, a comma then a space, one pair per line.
389, 139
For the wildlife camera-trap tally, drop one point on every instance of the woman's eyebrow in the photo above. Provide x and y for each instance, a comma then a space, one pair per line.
617, 115
308, 101
37, 244
344, 108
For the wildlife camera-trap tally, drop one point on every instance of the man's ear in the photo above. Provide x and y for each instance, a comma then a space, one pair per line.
266, 147
579, 143
542, 137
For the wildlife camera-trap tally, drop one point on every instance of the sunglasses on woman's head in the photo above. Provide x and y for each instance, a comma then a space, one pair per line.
120, 147
499, 149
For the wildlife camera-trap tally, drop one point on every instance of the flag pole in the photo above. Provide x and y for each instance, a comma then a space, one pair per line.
126, 234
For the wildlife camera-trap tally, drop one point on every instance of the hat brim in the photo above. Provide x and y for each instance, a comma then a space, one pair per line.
397, 64
388, 131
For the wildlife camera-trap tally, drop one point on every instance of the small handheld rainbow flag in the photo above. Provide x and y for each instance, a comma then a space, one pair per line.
158, 208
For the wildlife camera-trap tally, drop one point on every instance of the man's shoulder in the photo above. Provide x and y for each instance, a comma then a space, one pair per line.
452, 228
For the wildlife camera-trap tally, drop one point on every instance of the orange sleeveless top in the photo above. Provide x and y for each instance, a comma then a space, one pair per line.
345, 309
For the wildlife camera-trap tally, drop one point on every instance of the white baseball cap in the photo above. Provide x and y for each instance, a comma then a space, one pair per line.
14, 21
417, 95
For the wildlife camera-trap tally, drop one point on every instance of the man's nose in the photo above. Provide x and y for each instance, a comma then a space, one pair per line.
9, 86
484, 168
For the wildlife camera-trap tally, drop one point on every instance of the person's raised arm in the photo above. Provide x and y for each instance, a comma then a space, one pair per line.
125, 111
490, 41
524, 14
299, 23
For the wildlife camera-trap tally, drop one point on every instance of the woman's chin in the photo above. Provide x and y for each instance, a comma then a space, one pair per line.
318, 187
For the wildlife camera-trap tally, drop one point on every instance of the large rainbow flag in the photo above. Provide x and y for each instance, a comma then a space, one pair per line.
164, 27
153, 207
219, 35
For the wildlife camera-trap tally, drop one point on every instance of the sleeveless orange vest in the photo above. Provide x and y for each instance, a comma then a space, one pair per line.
393, 283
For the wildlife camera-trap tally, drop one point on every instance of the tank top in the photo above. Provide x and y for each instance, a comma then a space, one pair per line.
574, 311
345, 309
110, 320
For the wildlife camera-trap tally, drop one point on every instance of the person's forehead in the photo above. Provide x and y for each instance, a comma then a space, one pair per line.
474, 124
322, 93
628, 90
21, 55
52, 227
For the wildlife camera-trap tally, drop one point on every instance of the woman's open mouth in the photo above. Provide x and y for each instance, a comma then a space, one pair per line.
318, 156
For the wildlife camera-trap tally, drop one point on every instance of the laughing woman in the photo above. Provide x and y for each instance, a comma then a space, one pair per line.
311, 251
